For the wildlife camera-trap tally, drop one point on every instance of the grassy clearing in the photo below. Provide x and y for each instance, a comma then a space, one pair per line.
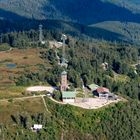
25, 60
79, 94
4, 47
20, 56
121, 78
32, 106
11, 91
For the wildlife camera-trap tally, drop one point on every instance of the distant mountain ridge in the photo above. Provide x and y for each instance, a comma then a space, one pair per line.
132, 5
81, 11
107, 19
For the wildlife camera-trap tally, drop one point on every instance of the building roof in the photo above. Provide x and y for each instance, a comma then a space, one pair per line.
102, 90
37, 126
64, 73
93, 86
68, 94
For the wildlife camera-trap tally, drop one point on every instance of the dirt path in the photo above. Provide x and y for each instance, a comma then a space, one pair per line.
45, 104
93, 103
21, 98
62, 103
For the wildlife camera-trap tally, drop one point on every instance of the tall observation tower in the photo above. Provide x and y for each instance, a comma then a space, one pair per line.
64, 84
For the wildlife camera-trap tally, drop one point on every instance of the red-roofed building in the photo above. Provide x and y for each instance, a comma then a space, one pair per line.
104, 93
102, 90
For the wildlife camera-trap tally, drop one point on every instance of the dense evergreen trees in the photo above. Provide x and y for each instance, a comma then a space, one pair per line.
119, 121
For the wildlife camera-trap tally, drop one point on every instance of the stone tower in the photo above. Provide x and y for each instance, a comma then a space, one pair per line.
64, 84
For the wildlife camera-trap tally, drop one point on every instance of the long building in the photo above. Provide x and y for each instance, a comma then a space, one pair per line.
68, 96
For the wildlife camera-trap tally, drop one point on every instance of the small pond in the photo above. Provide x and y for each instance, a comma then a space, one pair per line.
11, 65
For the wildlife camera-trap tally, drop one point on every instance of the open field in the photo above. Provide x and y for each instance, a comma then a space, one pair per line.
11, 91
32, 106
20, 56
24, 60
27, 59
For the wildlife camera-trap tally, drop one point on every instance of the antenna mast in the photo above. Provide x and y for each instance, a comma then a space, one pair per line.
64, 61
40, 33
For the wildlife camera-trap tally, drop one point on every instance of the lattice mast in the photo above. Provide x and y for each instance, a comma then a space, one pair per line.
64, 37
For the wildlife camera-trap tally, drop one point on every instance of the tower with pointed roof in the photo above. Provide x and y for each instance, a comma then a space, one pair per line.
64, 83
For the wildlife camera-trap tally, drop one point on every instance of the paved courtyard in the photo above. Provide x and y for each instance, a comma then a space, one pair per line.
93, 103
86, 103
40, 88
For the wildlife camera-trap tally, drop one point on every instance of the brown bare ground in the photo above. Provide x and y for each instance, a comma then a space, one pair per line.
19, 56
24, 59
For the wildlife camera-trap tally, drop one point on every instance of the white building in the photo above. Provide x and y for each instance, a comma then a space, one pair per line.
37, 127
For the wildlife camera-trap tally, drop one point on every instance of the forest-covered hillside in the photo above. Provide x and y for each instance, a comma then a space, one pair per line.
109, 31
119, 121
98, 31
86, 12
